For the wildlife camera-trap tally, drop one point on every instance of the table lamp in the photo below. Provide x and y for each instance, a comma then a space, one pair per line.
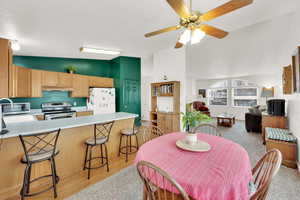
267, 92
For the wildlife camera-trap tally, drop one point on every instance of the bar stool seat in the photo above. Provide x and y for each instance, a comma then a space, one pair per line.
39, 156
129, 131
128, 147
101, 137
100, 140
39, 147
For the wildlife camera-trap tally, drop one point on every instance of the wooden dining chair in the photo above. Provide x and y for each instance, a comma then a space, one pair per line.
158, 185
208, 128
150, 132
263, 173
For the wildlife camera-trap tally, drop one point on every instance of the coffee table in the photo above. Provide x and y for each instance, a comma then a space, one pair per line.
227, 120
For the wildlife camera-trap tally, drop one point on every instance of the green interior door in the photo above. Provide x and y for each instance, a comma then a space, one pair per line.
131, 98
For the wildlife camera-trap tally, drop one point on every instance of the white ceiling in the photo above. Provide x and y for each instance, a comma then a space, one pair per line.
59, 27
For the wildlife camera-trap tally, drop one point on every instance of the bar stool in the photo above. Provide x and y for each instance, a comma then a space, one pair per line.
100, 138
38, 148
128, 148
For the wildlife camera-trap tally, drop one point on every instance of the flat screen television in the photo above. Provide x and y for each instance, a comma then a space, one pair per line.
276, 107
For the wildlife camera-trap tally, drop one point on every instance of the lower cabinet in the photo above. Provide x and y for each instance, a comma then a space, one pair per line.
168, 122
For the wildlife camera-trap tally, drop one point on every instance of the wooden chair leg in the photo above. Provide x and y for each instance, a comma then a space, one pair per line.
120, 145
90, 161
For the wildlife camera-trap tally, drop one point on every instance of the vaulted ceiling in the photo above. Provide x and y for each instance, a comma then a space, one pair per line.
59, 27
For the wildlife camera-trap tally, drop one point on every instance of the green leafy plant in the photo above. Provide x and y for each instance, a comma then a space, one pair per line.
71, 69
194, 118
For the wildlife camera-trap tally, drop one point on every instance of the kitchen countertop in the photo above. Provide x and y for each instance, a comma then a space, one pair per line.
34, 127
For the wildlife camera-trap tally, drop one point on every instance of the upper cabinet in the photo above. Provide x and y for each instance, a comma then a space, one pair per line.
65, 80
101, 82
20, 82
5, 61
36, 83
50, 78
80, 86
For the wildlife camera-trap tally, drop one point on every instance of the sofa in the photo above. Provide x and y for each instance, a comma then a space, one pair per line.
200, 106
253, 119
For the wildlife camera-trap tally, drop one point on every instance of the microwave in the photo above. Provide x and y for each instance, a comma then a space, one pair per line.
18, 108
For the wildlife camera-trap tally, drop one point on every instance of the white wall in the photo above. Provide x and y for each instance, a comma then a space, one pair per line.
146, 78
172, 63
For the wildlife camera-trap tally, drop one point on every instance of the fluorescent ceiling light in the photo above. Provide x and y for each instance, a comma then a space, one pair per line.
197, 36
15, 45
99, 51
185, 36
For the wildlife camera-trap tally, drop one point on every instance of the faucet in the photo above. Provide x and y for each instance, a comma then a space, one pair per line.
2, 124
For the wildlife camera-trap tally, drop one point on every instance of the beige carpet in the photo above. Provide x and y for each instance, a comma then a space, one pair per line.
126, 184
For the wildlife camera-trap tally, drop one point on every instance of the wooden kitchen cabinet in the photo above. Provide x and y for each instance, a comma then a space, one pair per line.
168, 122
36, 83
20, 82
65, 80
84, 113
5, 62
80, 86
50, 78
101, 82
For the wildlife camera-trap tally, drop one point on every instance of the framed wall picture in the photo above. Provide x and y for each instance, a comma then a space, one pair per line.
202, 92
296, 70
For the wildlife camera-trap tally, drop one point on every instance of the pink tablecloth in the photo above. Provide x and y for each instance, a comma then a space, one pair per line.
223, 173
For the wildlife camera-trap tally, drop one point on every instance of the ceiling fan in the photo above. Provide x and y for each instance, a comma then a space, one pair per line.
193, 21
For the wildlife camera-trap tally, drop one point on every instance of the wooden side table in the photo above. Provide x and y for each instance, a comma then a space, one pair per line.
272, 122
226, 120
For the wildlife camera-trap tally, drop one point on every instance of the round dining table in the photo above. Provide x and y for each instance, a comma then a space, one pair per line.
222, 173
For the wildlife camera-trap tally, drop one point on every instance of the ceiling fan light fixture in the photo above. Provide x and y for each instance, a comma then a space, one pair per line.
98, 51
197, 36
185, 36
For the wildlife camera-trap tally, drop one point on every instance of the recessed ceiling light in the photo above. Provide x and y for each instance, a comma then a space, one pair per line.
15, 45
99, 51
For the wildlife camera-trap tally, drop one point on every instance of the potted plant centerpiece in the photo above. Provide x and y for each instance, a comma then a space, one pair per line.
190, 120
71, 69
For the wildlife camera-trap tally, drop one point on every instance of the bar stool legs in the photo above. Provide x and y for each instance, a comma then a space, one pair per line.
103, 158
129, 148
25, 191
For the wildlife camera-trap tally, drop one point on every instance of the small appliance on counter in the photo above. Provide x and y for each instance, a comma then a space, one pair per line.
16, 109
57, 110
276, 107
102, 100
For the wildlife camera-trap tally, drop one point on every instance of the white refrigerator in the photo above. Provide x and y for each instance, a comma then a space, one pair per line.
102, 100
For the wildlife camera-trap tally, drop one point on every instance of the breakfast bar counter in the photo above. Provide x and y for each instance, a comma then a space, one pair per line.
71, 146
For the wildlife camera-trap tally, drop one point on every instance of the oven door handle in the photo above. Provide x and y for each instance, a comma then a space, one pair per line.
61, 117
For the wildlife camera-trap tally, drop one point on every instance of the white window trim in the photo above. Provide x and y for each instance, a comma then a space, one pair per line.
227, 104
244, 97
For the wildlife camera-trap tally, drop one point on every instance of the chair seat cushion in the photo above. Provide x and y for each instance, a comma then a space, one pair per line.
280, 134
37, 156
129, 131
100, 140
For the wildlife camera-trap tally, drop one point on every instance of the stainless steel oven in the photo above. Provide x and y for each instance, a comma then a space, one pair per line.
57, 110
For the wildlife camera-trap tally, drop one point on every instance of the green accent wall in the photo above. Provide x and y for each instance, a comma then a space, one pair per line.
122, 69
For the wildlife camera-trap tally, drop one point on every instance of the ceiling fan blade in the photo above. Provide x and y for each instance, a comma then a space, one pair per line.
224, 9
178, 45
212, 31
164, 30
180, 8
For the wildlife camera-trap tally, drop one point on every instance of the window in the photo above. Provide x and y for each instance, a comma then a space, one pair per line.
244, 97
218, 97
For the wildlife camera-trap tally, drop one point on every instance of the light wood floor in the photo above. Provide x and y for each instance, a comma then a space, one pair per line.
78, 182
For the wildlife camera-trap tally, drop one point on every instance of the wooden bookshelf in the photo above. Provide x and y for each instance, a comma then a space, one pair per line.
166, 121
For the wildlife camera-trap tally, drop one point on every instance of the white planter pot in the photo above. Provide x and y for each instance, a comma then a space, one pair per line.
191, 138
